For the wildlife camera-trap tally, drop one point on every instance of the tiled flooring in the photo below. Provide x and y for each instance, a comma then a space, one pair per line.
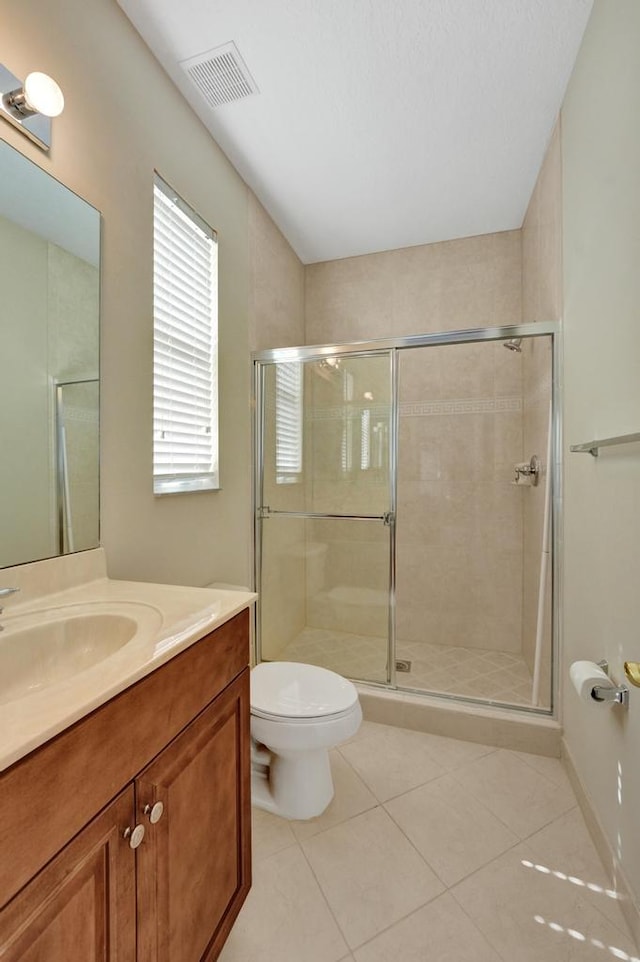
433, 850
473, 672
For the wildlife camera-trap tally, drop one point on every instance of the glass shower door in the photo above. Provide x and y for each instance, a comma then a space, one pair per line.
325, 523
474, 592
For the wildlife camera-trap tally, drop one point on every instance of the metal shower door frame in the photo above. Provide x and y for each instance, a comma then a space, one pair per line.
388, 518
393, 347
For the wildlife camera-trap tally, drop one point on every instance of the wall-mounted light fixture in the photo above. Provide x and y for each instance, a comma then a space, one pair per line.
29, 106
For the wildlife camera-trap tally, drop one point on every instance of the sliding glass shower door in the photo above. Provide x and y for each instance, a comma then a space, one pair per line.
325, 517
405, 512
473, 586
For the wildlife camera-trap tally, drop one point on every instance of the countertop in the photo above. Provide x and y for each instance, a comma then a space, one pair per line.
171, 618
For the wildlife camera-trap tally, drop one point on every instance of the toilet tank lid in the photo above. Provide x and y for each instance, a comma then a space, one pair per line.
294, 690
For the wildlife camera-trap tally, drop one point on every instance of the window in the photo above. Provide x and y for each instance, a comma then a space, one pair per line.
185, 347
288, 422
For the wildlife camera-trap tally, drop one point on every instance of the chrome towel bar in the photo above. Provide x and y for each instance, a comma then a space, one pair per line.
591, 447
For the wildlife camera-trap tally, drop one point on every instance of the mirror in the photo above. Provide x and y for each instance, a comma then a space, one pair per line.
49, 365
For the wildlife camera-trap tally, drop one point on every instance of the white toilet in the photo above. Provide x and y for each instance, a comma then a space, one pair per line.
298, 712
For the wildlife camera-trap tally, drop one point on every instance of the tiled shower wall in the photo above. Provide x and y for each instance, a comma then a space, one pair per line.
459, 555
472, 282
459, 534
347, 472
276, 319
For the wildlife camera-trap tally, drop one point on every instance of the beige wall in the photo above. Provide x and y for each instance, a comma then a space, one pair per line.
106, 145
276, 284
471, 282
541, 301
601, 252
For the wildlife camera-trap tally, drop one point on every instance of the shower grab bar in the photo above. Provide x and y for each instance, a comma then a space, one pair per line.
266, 512
591, 447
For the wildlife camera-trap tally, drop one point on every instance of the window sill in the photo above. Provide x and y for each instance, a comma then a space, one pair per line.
164, 486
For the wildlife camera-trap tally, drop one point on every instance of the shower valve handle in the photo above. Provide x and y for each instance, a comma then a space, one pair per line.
529, 469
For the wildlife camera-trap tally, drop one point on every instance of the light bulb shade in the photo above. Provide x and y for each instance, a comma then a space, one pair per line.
43, 95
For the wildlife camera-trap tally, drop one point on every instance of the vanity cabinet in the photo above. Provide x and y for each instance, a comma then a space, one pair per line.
170, 754
82, 906
190, 864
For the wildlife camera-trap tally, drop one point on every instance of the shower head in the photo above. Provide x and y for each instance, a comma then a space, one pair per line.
513, 344
328, 367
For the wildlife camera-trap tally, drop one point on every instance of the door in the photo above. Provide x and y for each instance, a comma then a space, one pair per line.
194, 867
325, 522
82, 904
474, 600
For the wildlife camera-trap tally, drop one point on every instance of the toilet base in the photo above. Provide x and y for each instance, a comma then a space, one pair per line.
298, 786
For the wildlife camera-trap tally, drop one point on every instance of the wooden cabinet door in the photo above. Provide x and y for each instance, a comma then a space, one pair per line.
81, 906
195, 862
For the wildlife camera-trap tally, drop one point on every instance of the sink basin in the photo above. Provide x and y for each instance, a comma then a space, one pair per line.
43, 648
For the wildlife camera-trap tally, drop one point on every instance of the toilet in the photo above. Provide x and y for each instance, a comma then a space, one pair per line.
298, 712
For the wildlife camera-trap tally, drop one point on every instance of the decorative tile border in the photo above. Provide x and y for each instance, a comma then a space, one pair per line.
420, 409
352, 409
498, 405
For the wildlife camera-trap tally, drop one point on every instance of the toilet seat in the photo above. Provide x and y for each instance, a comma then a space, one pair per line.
286, 690
284, 719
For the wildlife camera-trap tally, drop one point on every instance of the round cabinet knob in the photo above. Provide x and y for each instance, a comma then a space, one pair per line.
134, 835
154, 813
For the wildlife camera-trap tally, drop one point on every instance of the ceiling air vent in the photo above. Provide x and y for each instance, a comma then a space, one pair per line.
220, 75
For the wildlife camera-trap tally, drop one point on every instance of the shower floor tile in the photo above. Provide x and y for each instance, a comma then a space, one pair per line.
496, 676
356, 656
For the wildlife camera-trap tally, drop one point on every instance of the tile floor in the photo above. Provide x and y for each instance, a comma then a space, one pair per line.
473, 672
433, 850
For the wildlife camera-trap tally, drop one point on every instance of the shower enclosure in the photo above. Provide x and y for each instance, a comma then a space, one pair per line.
76, 407
404, 511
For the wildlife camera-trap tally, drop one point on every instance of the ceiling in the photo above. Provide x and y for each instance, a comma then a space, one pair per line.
380, 123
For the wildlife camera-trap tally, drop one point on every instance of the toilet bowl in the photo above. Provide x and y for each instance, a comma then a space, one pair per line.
298, 712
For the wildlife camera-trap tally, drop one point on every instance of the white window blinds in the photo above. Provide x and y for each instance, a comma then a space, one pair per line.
185, 347
288, 422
